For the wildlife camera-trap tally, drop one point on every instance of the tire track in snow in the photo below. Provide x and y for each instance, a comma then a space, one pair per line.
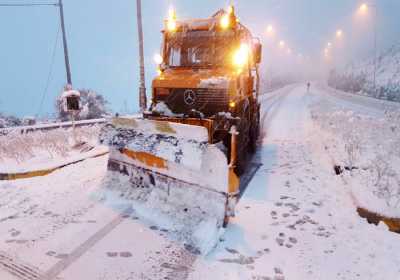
19, 269
270, 111
182, 267
85, 246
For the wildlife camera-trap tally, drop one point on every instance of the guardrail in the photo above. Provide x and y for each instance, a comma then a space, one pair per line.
49, 126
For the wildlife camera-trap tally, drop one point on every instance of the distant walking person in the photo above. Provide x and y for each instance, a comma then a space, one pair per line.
308, 87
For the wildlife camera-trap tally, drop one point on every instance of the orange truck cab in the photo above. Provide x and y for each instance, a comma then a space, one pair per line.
208, 69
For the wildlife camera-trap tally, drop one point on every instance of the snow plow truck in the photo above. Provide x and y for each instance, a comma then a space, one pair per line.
183, 157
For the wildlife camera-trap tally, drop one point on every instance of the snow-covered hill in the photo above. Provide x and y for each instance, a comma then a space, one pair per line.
359, 77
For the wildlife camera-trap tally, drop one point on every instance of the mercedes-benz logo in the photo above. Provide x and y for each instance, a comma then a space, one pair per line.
189, 96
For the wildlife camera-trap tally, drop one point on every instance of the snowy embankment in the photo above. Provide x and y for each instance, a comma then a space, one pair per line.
41, 150
361, 77
364, 138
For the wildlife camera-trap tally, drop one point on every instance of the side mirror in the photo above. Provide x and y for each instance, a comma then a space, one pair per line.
257, 53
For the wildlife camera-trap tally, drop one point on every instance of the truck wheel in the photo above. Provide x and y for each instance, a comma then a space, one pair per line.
254, 133
243, 143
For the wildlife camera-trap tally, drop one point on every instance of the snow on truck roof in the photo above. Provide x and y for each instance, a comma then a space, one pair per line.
69, 93
205, 23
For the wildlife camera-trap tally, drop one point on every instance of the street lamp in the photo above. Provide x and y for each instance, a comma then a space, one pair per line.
364, 9
339, 33
281, 44
270, 29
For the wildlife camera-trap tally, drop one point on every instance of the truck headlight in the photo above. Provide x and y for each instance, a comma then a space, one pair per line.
171, 21
171, 25
241, 56
224, 21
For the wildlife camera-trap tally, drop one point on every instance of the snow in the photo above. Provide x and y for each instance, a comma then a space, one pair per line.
39, 150
45, 126
163, 208
44, 163
69, 93
214, 82
189, 158
200, 173
164, 110
353, 135
359, 77
296, 219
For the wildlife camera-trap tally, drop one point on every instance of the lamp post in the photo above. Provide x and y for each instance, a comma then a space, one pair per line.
270, 29
364, 9
65, 45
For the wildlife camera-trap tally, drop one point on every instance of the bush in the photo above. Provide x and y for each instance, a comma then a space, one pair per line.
9, 121
57, 142
371, 145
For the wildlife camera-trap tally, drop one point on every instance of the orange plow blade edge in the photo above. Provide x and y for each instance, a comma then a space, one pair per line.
173, 176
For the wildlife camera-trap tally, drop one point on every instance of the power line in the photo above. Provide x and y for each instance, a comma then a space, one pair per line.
27, 4
49, 76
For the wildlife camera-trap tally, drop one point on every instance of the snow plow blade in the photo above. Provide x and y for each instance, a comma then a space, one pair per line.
173, 175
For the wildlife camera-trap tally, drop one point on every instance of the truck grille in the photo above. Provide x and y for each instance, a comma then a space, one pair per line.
207, 101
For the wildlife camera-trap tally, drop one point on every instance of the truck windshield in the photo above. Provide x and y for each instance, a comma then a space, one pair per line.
199, 49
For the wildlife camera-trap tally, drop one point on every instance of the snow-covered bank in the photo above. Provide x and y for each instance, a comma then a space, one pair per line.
47, 149
370, 147
361, 77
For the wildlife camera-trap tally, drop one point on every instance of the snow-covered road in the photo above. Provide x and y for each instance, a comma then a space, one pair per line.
296, 219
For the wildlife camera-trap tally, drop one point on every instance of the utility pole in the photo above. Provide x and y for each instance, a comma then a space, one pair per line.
142, 87
64, 35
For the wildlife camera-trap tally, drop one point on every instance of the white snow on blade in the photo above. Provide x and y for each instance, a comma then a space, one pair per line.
185, 148
227, 115
214, 82
178, 130
207, 168
164, 110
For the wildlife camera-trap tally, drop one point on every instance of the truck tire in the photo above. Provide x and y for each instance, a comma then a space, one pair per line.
243, 142
254, 132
